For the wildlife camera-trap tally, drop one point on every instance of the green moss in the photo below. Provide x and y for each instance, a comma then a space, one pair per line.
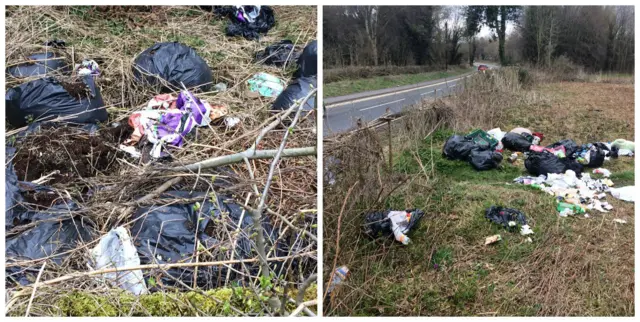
217, 302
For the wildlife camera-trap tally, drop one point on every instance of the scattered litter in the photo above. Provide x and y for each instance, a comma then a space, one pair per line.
231, 122
529, 240
627, 193
278, 54
263, 84
574, 195
604, 172
341, 274
47, 98
492, 239
168, 120
131, 150
620, 221
497, 134
116, 250
87, 67
172, 66
525, 230
398, 223
220, 87
247, 21
508, 218
623, 144
56, 43
513, 157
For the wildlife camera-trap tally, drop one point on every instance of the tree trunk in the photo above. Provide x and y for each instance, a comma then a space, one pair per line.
502, 30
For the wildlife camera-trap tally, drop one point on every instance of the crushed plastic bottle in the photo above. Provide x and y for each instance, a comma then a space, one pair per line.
563, 208
339, 277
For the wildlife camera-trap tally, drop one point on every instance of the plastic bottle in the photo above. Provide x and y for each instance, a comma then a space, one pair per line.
339, 276
575, 208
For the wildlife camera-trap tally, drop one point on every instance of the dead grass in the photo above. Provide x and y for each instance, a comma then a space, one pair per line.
113, 36
574, 267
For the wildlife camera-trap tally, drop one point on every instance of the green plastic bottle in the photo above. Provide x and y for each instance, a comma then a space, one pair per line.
575, 208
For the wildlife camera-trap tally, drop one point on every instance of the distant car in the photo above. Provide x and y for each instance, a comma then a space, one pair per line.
482, 68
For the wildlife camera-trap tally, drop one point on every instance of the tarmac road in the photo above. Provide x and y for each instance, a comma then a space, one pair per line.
342, 113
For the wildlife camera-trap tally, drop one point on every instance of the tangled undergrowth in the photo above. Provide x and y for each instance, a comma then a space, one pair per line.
108, 186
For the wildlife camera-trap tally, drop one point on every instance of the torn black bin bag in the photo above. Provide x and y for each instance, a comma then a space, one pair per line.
542, 163
595, 154
40, 64
507, 217
377, 224
54, 232
297, 90
12, 196
484, 159
516, 142
174, 63
570, 147
278, 54
458, 147
46, 98
165, 234
308, 61
261, 20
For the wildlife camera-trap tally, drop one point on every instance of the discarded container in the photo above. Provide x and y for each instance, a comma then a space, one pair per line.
175, 63
340, 276
482, 139
263, 84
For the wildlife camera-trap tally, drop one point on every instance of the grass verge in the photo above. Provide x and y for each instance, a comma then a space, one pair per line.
345, 87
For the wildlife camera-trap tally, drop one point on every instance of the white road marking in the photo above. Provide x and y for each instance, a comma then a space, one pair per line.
368, 108
429, 92
393, 93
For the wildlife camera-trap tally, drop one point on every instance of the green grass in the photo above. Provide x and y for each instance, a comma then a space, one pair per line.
369, 84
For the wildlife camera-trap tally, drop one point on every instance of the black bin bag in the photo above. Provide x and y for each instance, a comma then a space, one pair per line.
308, 61
545, 162
516, 142
45, 99
484, 159
40, 64
570, 147
174, 63
165, 234
296, 90
278, 54
458, 147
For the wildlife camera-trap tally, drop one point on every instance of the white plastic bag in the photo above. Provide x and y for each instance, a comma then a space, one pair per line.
627, 193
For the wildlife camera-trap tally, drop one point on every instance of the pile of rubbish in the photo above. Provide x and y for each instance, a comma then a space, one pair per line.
167, 120
246, 21
396, 223
477, 148
577, 195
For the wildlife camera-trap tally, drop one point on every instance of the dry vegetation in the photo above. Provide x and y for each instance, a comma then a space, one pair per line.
574, 267
113, 36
